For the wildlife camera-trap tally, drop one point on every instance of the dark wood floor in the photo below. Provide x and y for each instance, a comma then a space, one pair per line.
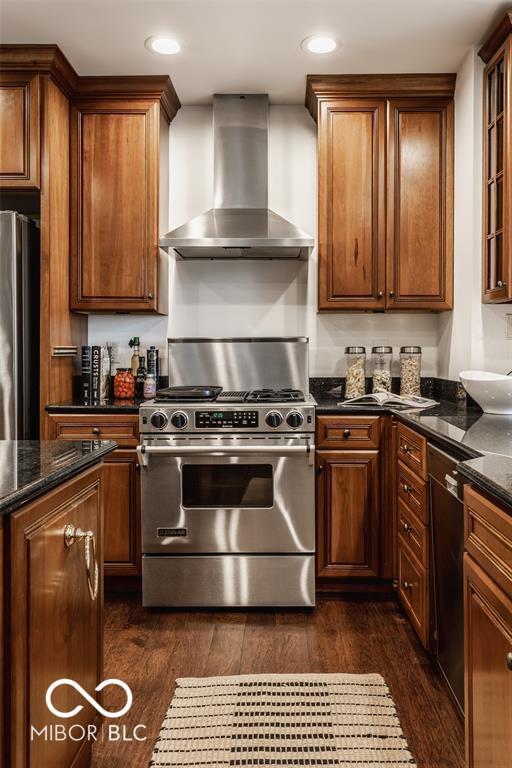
150, 649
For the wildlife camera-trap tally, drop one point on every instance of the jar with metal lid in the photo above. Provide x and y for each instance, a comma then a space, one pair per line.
124, 384
381, 358
410, 371
355, 376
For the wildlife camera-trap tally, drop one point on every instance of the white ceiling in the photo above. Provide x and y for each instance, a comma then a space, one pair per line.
252, 45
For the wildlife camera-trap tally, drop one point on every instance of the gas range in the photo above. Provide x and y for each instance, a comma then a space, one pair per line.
263, 410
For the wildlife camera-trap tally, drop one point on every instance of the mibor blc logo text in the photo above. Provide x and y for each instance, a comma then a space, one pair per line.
78, 732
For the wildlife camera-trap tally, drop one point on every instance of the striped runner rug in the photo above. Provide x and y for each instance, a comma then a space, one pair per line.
282, 720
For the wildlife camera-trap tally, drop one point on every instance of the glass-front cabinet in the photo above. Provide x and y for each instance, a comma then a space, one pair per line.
497, 166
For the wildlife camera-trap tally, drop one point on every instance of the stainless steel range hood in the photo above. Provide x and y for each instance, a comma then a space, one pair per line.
240, 225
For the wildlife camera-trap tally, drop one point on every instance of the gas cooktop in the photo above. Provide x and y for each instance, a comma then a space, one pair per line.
208, 393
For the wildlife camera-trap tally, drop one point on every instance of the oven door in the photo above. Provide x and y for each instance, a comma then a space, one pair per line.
228, 495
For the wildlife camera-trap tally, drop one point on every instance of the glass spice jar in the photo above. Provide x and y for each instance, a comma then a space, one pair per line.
355, 384
124, 384
410, 371
381, 357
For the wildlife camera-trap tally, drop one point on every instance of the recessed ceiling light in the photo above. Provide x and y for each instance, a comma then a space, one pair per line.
319, 44
162, 44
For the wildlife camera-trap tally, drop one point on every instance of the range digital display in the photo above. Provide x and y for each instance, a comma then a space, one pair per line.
231, 419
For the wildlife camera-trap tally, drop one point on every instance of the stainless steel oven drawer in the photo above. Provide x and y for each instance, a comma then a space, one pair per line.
229, 581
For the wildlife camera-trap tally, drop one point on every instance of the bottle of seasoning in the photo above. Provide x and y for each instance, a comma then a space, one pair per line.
152, 357
382, 368
134, 364
149, 386
140, 378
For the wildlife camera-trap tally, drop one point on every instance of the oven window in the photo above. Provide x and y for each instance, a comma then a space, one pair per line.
227, 485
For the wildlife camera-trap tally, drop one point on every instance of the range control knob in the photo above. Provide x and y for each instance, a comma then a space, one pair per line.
159, 420
295, 419
274, 419
179, 420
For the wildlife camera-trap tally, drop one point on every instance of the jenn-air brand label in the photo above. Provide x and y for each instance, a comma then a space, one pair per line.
171, 532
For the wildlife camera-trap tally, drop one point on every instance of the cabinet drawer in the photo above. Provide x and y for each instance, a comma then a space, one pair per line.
413, 492
124, 429
413, 532
413, 590
354, 432
488, 537
412, 450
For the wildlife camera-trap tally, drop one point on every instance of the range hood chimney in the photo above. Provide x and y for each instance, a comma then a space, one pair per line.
240, 225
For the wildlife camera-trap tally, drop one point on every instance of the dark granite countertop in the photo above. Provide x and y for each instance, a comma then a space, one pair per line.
30, 468
103, 406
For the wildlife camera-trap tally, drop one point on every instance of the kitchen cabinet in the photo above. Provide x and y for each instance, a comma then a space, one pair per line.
119, 171
54, 620
121, 485
385, 191
347, 499
488, 631
20, 127
497, 164
413, 529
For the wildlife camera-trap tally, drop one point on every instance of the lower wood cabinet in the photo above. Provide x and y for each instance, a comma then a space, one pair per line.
347, 513
121, 482
487, 631
54, 622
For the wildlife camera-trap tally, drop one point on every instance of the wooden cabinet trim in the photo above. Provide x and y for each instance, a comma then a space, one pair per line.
27, 175
413, 586
348, 432
132, 564
442, 297
496, 38
327, 298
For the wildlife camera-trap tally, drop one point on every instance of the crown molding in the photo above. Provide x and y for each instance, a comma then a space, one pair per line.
497, 37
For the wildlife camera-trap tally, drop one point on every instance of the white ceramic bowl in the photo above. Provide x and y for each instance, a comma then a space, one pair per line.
492, 391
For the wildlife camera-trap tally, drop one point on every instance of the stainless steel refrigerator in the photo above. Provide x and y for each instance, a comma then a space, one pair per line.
19, 327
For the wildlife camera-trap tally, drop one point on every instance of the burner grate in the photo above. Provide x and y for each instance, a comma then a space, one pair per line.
275, 396
232, 397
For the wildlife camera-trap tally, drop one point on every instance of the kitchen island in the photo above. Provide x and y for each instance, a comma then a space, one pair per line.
51, 591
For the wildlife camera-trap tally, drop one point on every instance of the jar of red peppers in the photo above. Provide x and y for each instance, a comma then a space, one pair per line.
124, 384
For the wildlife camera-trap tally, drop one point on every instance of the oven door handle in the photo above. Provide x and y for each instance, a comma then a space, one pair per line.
145, 451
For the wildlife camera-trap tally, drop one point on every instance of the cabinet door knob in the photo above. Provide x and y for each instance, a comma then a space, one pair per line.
96, 430
501, 284
391, 294
406, 449
407, 585
406, 488
150, 295
346, 433
509, 660
407, 528
320, 468
379, 295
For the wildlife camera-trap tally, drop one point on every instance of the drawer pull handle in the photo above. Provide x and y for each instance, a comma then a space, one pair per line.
74, 535
96, 430
406, 488
406, 448
346, 433
407, 528
407, 585
509, 660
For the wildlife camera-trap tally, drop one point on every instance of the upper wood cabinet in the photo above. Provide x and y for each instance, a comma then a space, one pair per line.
385, 214
116, 174
19, 130
497, 165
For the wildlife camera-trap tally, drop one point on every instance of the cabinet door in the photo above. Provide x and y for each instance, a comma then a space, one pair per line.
488, 670
121, 481
420, 205
497, 178
114, 205
347, 513
56, 624
351, 215
19, 131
